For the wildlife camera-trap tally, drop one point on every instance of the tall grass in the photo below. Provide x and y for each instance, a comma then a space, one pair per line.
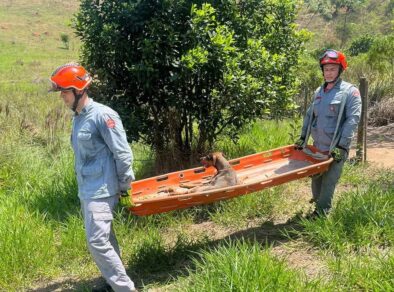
361, 220
26, 244
257, 137
358, 236
364, 273
243, 266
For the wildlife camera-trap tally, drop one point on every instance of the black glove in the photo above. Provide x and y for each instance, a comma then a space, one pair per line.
298, 145
338, 153
125, 199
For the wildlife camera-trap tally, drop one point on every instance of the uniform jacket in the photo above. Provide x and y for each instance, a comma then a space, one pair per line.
324, 111
103, 157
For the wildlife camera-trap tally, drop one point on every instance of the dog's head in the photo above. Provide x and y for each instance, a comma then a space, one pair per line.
210, 159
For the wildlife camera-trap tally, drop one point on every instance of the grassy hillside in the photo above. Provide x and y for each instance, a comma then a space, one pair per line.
330, 29
252, 243
30, 49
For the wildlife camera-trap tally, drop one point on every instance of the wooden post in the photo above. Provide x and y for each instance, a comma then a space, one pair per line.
361, 153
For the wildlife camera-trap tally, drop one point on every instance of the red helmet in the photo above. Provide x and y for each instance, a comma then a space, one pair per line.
333, 57
70, 76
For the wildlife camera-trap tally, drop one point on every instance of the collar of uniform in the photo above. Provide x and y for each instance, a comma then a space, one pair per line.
87, 107
337, 85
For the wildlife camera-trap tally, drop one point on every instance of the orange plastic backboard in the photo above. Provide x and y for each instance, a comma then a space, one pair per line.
255, 172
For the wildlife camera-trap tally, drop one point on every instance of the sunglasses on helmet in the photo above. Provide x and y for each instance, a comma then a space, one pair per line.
55, 87
330, 54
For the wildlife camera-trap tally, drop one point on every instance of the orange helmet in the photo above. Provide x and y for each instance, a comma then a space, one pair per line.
333, 57
70, 76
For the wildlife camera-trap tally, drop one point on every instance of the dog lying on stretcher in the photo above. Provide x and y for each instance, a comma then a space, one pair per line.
224, 177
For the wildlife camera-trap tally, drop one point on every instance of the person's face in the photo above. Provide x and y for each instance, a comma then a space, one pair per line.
68, 98
330, 72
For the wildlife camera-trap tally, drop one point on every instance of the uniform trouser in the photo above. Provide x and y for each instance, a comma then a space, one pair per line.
102, 242
323, 186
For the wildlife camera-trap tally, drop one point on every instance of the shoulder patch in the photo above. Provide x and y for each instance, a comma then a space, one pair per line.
110, 123
356, 93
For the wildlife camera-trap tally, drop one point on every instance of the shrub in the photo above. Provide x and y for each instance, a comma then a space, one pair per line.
382, 113
181, 73
360, 45
66, 40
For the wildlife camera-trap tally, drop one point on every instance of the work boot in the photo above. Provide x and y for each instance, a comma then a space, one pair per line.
314, 215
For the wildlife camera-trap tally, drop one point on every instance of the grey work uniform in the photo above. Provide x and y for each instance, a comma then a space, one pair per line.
103, 160
324, 111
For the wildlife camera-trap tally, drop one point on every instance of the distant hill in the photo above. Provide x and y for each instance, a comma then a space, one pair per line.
334, 24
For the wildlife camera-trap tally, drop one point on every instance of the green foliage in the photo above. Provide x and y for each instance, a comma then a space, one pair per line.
65, 39
361, 45
377, 65
182, 73
310, 77
381, 55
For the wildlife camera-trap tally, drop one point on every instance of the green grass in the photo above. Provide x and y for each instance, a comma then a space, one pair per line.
243, 266
41, 229
258, 137
27, 244
357, 237
364, 273
362, 219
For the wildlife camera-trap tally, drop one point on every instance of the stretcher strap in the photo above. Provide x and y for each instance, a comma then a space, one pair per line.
315, 155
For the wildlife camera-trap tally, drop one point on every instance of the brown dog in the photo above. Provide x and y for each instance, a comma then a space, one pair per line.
224, 177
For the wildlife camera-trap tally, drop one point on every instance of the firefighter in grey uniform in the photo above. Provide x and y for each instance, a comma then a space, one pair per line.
103, 160
331, 121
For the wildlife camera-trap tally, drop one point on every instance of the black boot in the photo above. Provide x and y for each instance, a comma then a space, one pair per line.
104, 288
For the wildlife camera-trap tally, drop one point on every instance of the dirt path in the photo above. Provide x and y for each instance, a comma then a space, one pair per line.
380, 146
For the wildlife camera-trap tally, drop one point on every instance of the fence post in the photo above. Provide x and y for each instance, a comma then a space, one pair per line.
361, 153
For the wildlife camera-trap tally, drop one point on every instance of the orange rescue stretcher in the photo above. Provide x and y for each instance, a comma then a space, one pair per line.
255, 172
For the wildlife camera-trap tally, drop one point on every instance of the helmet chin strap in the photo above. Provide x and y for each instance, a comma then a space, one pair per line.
77, 98
335, 79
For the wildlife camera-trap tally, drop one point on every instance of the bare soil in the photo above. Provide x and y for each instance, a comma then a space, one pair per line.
380, 146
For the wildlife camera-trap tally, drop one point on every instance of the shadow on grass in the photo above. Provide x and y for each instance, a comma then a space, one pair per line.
155, 266
72, 285
160, 266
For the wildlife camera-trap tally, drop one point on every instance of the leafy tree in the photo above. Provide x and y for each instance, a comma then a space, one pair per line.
360, 45
183, 72
381, 54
